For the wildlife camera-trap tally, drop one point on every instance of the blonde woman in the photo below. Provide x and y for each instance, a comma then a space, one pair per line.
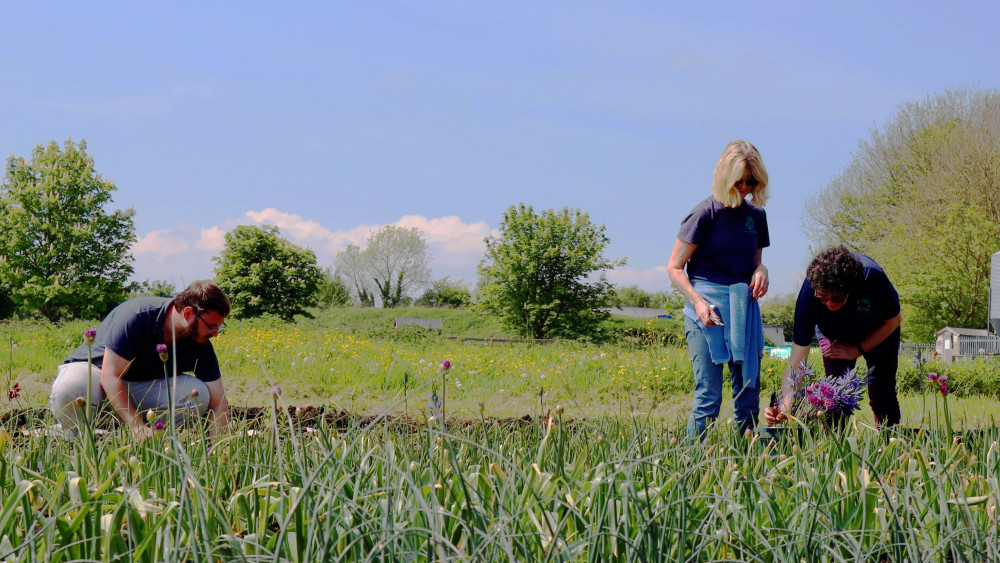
716, 265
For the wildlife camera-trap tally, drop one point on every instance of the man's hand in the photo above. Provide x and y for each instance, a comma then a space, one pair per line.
142, 432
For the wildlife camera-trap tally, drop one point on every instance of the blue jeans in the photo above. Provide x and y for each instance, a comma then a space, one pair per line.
708, 387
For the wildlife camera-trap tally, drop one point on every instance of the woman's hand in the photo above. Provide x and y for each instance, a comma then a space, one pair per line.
839, 350
759, 281
774, 416
704, 312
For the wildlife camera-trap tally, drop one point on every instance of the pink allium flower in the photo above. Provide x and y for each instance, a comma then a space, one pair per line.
158, 426
444, 366
942, 379
933, 376
14, 392
89, 335
161, 349
944, 390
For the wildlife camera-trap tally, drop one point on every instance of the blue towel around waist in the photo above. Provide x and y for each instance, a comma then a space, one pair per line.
742, 339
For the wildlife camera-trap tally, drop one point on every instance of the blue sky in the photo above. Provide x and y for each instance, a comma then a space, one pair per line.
329, 119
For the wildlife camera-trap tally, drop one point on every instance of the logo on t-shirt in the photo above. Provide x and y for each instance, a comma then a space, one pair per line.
750, 227
864, 306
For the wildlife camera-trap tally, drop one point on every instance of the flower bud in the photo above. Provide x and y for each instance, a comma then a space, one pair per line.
194, 393
944, 390
933, 376
158, 426
275, 391
942, 379
161, 349
560, 409
150, 415
89, 335
482, 407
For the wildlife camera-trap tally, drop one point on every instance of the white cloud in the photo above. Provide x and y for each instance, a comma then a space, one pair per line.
162, 243
184, 253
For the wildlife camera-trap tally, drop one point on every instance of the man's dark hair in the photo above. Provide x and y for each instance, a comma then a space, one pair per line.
836, 269
203, 295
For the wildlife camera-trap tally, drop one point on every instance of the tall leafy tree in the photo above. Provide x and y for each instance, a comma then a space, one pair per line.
394, 264
543, 275
333, 292
922, 197
63, 253
262, 272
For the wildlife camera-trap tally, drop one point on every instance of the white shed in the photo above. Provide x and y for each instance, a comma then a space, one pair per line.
951, 343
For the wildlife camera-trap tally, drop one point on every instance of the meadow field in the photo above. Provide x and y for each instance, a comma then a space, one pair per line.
557, 452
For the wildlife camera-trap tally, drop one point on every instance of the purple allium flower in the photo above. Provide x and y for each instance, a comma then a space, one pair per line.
89, 335
942, 379
933, 376
944, 390
158, 426
161, 349
14, 392
444, 366
275, 391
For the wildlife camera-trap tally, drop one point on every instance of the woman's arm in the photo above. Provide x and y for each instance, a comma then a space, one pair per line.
759, 279
775, 415
678, 277
846, 351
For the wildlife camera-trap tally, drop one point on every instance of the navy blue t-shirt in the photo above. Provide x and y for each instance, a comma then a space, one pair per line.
133, 329
865, 310
727, 240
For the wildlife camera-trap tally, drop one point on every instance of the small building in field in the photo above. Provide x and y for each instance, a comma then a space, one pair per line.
952, 343
430, 324
775, 333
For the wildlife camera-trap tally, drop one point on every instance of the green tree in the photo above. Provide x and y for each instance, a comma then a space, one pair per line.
394, 264
921, 198
62, 253
265, 273
333, 292
538, 275
779, 309
445, 293
156, 288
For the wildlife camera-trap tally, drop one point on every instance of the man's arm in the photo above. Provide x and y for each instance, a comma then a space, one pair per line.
218, 407
112, 370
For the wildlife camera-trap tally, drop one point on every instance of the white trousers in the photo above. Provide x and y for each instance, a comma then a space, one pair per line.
69, 390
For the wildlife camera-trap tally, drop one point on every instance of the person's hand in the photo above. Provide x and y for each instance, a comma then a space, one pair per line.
774, 416
842, 351
759, 282
704, 312
142, 432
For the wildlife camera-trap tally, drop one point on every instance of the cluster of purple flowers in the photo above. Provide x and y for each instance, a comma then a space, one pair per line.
837, 394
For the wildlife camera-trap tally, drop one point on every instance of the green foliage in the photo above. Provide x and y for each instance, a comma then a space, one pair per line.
537, 275
394, 264
921, 199
64, 255
634, 296
445, 293
780, 310
262, 272
333, 292
156, 288
643, 332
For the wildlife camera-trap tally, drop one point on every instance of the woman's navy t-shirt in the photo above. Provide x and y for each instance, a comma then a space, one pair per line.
865, 310
727, 240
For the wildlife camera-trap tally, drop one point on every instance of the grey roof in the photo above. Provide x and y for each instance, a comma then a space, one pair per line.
964, 331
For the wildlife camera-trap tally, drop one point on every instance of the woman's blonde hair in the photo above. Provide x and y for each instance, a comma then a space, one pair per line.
738, 159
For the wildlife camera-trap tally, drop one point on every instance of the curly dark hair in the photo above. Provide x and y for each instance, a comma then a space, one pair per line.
836, 269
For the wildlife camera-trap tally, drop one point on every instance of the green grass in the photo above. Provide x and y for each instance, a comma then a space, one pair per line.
608, 476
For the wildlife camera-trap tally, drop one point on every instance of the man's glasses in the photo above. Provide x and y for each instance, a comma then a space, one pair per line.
835, 298
215, 329
748, 182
